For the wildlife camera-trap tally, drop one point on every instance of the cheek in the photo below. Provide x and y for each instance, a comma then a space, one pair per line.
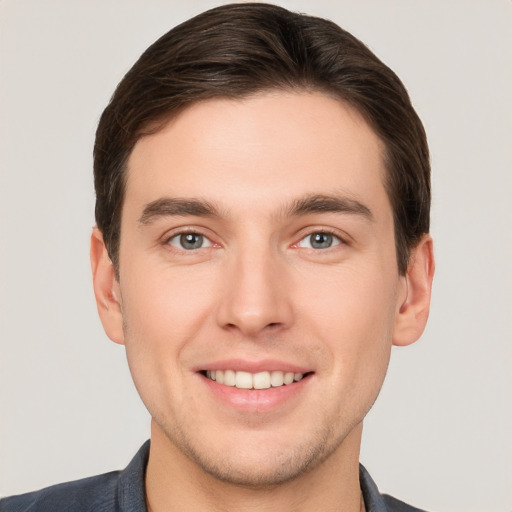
165, 305
350, 295
353, 313
162, 312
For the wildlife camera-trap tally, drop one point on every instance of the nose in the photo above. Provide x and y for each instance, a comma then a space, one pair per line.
255, 297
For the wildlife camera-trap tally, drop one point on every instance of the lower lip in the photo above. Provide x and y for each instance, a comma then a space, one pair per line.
255, 400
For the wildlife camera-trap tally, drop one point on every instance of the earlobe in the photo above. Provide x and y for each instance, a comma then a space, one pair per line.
106, 288
413, 311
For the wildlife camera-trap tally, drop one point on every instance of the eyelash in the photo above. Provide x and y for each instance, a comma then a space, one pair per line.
168, 240
337, 240
323, 231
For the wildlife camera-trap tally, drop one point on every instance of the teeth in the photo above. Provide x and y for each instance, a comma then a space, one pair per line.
288, 378
261, 380
243, 380
246, 380
229, 378
276, 379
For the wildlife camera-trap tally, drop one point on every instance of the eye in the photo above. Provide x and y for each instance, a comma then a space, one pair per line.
189, 241
319, 240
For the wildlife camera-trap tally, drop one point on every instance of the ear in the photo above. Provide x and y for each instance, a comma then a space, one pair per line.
412, 314
106, 288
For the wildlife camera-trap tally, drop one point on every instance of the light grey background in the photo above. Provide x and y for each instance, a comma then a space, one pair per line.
440, 434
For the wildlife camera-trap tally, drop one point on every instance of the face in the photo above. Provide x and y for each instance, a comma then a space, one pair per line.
258, 283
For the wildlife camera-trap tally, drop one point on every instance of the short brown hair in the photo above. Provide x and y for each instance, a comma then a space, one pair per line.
236, 50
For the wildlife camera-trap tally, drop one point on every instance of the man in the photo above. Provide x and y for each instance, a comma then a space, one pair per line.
263, 192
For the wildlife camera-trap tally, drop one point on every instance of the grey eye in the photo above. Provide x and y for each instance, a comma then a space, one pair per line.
189, 241
319, 240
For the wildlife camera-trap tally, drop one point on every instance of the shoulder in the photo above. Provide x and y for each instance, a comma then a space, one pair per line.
375, 501
394, 505
117, 491
97, 493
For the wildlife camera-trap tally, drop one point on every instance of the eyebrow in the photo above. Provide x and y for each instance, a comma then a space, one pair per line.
320, 203
171, 206
313, 203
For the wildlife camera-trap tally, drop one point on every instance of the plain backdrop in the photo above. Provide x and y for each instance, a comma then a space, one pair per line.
440, 433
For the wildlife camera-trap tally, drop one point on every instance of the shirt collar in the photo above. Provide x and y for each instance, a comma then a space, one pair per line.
373, 500
131, 486
131, 492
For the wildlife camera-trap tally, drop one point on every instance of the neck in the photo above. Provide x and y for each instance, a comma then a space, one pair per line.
174, 482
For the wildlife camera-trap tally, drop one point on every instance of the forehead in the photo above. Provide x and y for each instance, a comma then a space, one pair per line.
262, 149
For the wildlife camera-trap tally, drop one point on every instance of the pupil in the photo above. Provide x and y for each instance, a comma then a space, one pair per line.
321, 240
191, 241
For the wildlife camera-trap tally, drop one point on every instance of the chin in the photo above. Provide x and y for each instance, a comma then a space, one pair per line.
261, 471
261, 464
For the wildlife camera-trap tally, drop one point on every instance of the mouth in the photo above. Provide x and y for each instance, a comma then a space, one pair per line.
259, 380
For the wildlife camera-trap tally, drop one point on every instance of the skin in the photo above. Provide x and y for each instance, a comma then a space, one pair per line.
258, 290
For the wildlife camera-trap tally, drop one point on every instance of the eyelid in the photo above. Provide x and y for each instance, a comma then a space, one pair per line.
336, 241
184, 230
178, 238
343, 238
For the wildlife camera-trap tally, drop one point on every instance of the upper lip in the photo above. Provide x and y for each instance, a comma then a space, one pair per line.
270, 365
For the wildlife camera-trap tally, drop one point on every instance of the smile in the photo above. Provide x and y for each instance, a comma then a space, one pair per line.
247, 380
